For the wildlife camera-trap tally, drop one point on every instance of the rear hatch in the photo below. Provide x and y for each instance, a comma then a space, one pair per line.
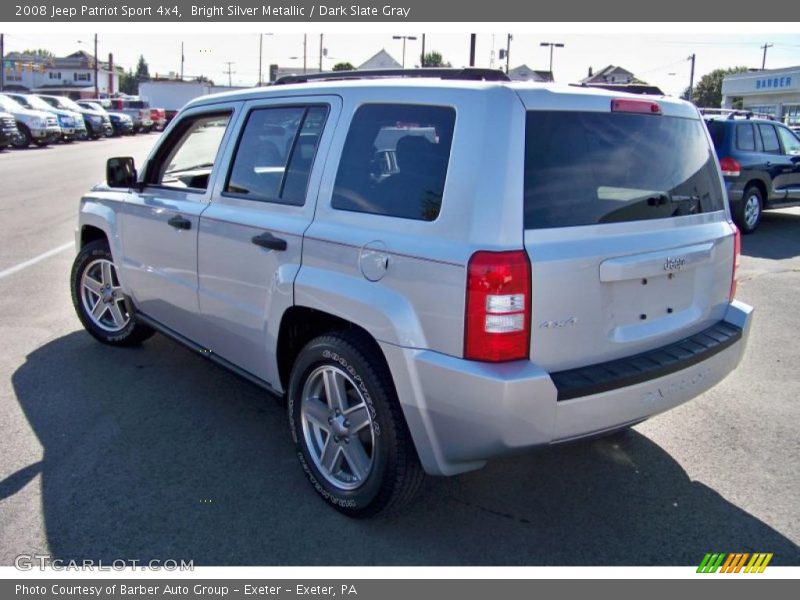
625, 228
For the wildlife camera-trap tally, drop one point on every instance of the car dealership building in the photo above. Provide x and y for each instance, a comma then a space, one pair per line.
774, 92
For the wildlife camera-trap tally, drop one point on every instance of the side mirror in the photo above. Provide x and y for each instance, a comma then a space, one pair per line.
121, 172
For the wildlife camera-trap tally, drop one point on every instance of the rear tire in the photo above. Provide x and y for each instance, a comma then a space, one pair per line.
747, 213
98, 299
348, 428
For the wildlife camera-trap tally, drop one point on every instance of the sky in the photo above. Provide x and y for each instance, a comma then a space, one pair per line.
658, 58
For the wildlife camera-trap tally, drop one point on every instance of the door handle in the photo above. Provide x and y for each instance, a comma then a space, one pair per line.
267, 240
179, 222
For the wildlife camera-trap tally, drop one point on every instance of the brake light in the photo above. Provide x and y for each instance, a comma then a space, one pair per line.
730, 166
498, 311
737, 252
633, 105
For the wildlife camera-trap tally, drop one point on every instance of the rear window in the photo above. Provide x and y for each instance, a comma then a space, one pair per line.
584, 168
394, 161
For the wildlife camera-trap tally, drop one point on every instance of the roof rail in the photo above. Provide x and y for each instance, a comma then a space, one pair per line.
466, 74
733, 113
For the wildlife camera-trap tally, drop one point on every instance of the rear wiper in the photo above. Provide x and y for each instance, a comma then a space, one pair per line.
664, 198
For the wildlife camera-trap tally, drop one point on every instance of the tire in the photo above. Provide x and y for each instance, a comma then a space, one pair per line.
370, 469
747, 213
114, 323
24, 139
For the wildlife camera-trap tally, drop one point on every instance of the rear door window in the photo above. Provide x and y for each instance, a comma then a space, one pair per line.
769, 138
585, 168
394, 161
745, 137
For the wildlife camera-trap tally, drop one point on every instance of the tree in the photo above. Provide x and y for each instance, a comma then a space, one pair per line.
707, 93
434, 59
344, 66
128, 84
39, 53
142, 70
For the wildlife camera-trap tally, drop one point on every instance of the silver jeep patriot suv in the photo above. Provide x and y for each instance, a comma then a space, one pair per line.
432, 268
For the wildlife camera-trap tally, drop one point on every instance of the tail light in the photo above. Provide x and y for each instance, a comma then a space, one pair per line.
730, 166
498, 312
737, 252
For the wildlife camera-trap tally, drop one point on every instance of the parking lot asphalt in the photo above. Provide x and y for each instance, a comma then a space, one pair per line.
154, 453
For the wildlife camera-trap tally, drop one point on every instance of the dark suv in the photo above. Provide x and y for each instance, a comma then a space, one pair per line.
760, 162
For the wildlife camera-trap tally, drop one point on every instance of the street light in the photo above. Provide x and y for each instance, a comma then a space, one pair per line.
552, 45
96, 84
404, 38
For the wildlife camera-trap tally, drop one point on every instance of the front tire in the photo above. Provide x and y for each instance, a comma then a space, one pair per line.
348, 428
747, 214
23, 139
98, 299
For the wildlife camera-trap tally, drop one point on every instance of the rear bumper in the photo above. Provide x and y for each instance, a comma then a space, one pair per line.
462, 413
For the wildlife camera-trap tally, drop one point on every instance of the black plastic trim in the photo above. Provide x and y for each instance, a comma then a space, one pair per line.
623, 372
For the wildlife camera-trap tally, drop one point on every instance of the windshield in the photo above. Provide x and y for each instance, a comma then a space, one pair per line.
35, 103
585, 168
69, 104
10, 105
93, 106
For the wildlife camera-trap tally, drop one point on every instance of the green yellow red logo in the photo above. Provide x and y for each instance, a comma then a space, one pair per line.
734, 562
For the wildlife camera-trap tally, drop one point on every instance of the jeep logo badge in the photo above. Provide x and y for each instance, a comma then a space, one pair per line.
674, 264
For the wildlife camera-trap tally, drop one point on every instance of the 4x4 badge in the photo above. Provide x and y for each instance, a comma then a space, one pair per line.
674, 264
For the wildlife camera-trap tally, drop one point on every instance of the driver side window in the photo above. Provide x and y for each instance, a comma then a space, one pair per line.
188, 155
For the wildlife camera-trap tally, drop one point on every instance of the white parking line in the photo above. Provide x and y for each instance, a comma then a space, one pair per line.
28, 263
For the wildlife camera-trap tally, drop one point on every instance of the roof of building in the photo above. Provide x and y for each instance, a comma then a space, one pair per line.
603, 74
381, 60
524, 72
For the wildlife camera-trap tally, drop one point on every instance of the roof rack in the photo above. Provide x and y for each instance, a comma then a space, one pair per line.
631, 88
466, 74
733, 113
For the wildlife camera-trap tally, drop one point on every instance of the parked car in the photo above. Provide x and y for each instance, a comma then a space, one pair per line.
136, 108
34, 126
8, 130
67, 120
95, 124
121, 124
159, 118
498, 284
760, 162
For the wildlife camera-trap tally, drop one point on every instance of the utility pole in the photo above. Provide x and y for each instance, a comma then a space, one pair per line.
764, 59
422, 54
691, 77
305, 51
472, 40
260, 54
321, 52
182, 61
229, 72
2, 63
96, 70
508, 52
